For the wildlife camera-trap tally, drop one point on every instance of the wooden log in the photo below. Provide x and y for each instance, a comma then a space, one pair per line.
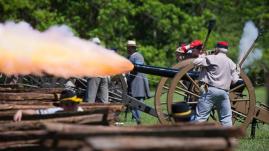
44, 105
22, 135
26, 102
27, 96
5, 107
24, 125
267, 85
194, 130
21, 85
64, 144
7, 111
116, 143
33, 90
84, 117
17, 145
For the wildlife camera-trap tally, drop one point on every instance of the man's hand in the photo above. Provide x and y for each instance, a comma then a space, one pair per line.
238, 69
18, 115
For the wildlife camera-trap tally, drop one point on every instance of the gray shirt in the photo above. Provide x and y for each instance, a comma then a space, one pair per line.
138, 85
217, 70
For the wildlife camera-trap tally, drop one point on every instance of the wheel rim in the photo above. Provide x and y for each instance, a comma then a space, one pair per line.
160, 99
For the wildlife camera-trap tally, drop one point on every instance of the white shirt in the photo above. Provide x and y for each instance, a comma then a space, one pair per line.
54, 110
217, 70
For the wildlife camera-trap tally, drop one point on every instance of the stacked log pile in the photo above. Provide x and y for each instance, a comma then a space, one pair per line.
60, 136
93, 129
30, 130
13, 99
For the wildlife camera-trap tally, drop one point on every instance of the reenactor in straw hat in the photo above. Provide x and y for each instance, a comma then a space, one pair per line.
138, 86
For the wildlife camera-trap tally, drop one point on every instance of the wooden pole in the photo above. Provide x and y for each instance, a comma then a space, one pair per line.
33, 90
73, 117
44, 105
23, 125
168, 130
22, 135
159, 143
27, 96
267, 86
20, 145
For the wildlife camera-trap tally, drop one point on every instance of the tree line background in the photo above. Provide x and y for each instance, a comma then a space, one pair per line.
158, 26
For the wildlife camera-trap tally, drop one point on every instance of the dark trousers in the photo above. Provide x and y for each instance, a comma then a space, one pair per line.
136, 113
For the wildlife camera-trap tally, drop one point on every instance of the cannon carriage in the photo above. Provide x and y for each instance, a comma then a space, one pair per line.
180, 83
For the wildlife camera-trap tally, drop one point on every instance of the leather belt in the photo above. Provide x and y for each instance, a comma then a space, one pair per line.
206, 85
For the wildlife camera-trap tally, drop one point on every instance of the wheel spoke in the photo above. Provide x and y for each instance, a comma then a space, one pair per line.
195, 84
188, 92
183, 85
239, 100
237, 87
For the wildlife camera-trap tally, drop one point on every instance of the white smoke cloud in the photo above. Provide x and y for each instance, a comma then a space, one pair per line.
56, 51
250, 34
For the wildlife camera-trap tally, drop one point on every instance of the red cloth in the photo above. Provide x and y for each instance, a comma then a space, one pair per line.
183, 47
196, 43
222, 43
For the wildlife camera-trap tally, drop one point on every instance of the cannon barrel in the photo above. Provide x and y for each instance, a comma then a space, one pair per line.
158, 71
162, 71
170, 72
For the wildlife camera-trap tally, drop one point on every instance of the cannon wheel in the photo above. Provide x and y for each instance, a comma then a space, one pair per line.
160, 99
243, 104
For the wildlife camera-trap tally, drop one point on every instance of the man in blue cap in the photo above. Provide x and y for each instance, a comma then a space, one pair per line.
181, 112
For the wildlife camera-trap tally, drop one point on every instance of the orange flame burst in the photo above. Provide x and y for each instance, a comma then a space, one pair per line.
55, 51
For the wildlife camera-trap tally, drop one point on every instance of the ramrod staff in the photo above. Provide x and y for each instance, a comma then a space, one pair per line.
249, 50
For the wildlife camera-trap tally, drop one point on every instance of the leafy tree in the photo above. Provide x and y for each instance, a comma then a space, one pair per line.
158, 26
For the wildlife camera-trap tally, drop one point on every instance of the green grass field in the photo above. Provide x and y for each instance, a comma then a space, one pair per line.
259, 143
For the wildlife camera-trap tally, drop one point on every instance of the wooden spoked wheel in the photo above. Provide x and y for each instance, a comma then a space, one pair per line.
243, 102
160, 99
185, 85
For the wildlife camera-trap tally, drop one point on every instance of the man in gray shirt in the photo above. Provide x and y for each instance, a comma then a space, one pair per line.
218, 72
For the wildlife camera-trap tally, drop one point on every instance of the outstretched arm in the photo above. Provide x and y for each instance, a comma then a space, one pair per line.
18, 115
201, 61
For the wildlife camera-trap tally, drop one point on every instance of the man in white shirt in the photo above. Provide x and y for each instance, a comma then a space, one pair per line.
218, 72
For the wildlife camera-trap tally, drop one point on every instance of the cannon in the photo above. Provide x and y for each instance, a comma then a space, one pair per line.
180, 83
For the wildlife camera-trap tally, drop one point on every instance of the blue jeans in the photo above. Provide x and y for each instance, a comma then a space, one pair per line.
218, 98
